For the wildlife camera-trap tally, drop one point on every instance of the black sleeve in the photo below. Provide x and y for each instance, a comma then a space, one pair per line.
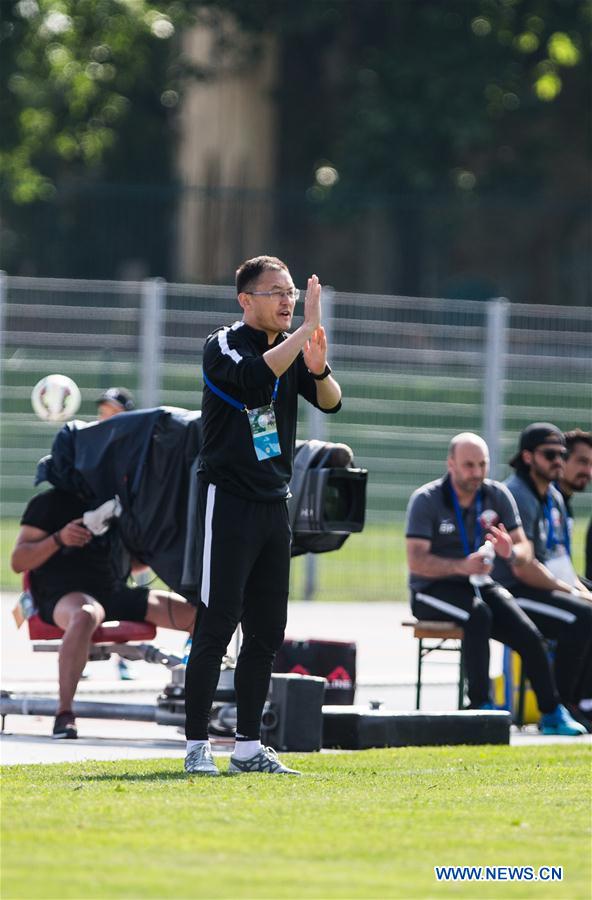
589, 551
228, 364
40, 513
307, 387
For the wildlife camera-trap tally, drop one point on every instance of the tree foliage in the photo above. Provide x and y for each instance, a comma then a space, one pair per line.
397, 94
377, 99
407, 103
413, 95
78, 76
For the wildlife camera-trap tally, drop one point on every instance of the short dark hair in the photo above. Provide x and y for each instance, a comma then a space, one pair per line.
577, 436
251, 269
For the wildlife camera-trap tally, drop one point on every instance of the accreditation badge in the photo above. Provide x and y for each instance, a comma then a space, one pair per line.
264, 431
561, 566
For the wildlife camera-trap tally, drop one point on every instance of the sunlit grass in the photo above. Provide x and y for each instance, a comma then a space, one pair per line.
360, 825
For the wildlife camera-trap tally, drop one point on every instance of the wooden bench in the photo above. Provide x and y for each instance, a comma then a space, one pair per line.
442, 636
448, 636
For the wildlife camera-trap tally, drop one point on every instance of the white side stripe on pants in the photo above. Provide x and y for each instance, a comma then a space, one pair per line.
443, 606
207, 546
545, 609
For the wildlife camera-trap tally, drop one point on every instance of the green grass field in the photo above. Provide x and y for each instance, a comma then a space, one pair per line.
370, 824
370, 566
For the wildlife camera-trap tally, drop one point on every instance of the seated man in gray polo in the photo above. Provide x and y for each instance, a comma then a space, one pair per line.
547, 588
449, 523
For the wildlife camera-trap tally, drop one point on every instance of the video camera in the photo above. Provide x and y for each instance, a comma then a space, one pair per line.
149, 458
328, 500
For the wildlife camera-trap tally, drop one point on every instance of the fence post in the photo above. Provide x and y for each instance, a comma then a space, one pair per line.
153, 305
3, 302
496, 343
317, 429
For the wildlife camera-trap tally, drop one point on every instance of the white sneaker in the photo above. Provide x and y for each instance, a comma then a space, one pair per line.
265, 760
201, 762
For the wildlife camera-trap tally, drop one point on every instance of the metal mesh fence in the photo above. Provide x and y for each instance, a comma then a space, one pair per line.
548, 371
414, 372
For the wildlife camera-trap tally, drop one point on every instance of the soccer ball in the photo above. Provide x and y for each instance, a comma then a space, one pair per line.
55, 398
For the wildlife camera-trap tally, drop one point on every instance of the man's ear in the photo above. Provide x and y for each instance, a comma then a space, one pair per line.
527, 457
244, 300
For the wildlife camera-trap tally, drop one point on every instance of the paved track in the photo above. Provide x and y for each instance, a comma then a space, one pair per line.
386, 660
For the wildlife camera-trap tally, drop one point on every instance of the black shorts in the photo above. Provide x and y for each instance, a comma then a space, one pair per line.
124, 604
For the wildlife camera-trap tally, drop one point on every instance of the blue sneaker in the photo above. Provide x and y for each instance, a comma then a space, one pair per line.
491, 707
560, 722
124, 671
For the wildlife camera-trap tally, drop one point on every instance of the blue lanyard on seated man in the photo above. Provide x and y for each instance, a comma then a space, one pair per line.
261, 421
463, 531
552, 541
558, 560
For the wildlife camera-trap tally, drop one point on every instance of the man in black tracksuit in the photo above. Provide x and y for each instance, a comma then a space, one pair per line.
253, 372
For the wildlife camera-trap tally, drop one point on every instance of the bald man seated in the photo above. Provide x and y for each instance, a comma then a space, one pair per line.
448, 524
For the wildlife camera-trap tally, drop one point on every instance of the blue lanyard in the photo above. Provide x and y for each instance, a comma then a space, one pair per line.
236, 403
461, 525
551, 541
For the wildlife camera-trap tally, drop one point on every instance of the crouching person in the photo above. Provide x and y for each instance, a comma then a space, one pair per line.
75, 586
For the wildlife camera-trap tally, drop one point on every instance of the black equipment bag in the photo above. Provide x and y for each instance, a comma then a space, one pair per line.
333, 660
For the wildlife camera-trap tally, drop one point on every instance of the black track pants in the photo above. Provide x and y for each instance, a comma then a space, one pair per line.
244, 549
567, 620
497, 616
584, 686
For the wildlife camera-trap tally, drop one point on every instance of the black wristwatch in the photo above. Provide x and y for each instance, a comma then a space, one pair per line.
324, 374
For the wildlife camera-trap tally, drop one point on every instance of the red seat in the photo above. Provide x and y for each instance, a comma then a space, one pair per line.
107, 633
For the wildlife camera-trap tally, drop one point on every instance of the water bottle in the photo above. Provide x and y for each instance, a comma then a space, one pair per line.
487, 552
27, 605
187, 650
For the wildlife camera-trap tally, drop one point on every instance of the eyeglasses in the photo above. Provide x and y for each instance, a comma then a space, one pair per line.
291, 294
550, 455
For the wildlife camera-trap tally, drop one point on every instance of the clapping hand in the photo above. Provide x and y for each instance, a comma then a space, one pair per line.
315, 351
312, 303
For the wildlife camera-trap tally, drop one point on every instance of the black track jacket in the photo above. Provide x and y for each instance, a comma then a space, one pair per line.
233, 362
